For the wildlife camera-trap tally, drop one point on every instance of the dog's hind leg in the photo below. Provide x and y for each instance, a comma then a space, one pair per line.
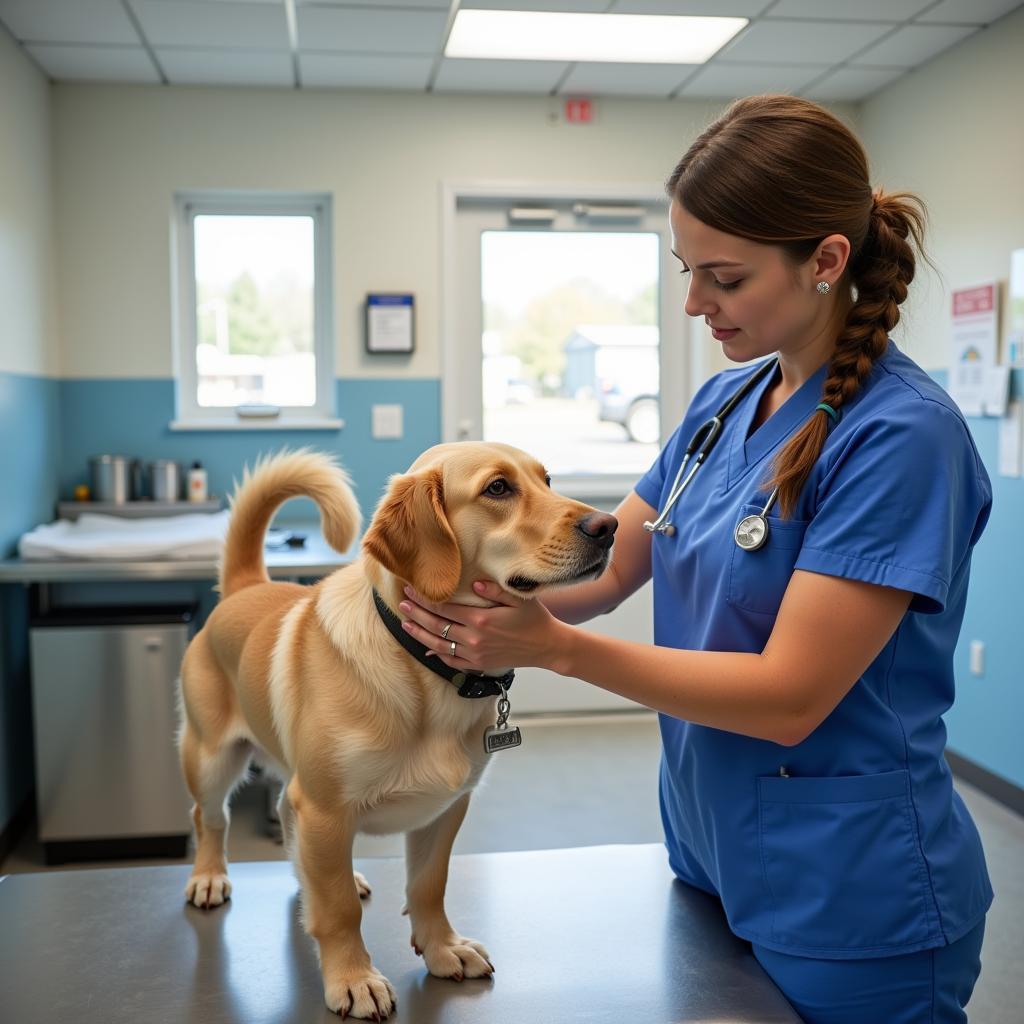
427, 852
211, 773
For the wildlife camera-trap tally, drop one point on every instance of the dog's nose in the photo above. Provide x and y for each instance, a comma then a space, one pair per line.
599, 528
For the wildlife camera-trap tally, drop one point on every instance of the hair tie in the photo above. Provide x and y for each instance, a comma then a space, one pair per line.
828, 408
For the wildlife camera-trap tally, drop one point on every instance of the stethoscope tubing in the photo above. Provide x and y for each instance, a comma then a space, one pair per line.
703, 441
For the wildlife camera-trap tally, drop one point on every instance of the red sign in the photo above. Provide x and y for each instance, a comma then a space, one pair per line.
579, 111
974, 300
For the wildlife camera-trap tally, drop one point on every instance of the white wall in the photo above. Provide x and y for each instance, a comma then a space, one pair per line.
953, 132
28, 334
123, 151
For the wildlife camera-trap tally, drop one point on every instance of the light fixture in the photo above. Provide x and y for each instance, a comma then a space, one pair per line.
621, 38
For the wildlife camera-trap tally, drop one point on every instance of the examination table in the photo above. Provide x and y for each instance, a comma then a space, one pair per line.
596, 934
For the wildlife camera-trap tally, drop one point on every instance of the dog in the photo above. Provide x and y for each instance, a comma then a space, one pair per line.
312, 682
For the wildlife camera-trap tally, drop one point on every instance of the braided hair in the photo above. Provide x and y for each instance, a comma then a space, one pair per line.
780, 170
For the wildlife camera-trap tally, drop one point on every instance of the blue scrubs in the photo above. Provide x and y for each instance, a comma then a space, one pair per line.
851, 845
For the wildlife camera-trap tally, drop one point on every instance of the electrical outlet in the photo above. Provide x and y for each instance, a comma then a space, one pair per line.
387, 422
977, 657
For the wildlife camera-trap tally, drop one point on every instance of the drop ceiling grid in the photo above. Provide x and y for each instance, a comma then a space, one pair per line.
815, 47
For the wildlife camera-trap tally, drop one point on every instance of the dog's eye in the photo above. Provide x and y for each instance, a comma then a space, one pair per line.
547, 479
498, 488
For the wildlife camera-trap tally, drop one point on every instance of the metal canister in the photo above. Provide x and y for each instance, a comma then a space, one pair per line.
109, 478
165, 480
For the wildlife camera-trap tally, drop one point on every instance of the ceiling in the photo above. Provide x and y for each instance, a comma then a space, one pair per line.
824, 49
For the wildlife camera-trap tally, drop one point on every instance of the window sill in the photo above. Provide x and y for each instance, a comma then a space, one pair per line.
256, 424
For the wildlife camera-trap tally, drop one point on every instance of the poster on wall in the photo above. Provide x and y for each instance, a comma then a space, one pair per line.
975, 338
1015, 337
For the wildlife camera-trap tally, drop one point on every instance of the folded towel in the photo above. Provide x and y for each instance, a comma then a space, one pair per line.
95, 537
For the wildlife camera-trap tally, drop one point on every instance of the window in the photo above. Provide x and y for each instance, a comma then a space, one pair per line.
254, 331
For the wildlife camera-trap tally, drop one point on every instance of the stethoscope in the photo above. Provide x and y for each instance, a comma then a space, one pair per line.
751, 532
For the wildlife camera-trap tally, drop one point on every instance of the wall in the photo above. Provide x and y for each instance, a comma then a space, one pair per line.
28, 385
953, 132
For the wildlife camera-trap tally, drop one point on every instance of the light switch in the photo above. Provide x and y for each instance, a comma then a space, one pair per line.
387, 422
977, 658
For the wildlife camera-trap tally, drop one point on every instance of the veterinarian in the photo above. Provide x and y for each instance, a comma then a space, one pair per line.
809, 586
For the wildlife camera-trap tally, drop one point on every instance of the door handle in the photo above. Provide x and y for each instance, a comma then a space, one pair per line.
154, 643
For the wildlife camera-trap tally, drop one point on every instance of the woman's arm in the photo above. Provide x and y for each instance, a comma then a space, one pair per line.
629, 570
827, 632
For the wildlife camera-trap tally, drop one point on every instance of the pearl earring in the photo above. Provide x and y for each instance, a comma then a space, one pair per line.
824, 287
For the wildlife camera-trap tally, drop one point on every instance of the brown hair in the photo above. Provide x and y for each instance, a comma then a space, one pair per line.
783, 171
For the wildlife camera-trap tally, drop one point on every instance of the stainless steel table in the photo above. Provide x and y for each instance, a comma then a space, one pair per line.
595, 935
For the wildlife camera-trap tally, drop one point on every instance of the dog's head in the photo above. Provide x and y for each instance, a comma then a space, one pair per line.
472, 511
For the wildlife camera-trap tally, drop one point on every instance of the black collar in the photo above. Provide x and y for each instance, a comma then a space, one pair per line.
469, 685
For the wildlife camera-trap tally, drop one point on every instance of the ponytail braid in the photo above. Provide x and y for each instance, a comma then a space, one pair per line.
880, 272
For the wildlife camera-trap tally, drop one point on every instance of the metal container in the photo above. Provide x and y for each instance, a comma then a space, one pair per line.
165, 480
109, 477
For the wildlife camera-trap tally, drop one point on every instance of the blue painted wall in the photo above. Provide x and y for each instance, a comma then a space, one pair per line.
985, 722
29, 453
131, 417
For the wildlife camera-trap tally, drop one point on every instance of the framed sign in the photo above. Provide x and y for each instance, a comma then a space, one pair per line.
389, 323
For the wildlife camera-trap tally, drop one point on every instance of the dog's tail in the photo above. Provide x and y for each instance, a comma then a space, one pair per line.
273, 481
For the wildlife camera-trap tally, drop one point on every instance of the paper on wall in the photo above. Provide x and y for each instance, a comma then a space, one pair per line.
975, 335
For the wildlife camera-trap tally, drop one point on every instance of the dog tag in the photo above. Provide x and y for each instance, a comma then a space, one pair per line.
499, 736
502, 738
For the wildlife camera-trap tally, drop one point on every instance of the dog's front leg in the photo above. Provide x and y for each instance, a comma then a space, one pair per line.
427, 852
331, 910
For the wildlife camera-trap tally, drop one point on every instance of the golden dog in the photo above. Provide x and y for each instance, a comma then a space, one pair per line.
366, 738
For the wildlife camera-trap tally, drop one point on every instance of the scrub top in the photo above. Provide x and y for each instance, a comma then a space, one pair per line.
851, 844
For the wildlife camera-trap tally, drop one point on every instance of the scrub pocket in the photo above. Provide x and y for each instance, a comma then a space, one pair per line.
758, 579
843, 865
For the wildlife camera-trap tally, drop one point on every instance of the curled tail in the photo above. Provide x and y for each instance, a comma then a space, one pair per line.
274, 480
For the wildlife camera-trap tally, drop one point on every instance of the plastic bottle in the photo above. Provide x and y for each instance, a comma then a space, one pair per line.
197, 483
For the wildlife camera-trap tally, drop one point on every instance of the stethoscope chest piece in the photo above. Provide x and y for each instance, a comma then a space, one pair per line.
751, 532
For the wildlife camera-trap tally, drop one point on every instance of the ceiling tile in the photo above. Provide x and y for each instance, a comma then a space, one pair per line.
94, 63
726, 80
779, 42
370, 31
238, 25
568, 6
588, 78
467, 75
844, 10
853, 83
700, 8
437, 5
912, 45
226, 67
68, 21
970, 12
364, 71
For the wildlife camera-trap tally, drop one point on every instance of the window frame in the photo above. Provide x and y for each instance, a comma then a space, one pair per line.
189, 414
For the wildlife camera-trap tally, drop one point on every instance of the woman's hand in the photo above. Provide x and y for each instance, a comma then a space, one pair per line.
512, 634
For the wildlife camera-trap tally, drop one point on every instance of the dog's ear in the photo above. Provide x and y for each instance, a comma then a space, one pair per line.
411, 537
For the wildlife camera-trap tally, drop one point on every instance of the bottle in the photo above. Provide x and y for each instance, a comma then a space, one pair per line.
197, 483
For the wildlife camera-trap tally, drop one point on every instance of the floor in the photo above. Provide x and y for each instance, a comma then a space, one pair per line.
591, 781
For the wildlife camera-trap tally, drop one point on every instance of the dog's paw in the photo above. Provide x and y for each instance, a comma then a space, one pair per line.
367, 994
456, 958
362, 885
208, 890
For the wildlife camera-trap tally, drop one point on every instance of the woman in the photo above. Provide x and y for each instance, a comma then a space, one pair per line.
801, 683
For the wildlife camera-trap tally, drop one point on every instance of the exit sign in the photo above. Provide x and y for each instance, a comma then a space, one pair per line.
579, 111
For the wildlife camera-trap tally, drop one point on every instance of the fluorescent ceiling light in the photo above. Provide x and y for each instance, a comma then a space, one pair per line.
625, 38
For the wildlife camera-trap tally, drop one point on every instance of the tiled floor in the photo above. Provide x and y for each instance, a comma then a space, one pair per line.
589, 781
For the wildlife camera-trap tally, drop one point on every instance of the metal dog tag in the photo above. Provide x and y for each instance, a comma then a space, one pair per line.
499, 736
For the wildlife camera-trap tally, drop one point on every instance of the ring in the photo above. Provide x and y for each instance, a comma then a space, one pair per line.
454, 645
444, 632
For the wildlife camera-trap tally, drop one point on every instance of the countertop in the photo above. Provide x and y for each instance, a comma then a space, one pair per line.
316, 558
595, 935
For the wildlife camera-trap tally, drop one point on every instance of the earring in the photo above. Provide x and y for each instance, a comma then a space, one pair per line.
824, 287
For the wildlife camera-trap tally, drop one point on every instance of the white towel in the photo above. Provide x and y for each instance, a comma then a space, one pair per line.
95, 537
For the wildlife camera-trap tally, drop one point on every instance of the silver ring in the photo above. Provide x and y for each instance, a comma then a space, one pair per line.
444, 632
454, 645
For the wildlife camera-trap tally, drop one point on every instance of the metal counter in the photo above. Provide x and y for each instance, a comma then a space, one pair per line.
596, 935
